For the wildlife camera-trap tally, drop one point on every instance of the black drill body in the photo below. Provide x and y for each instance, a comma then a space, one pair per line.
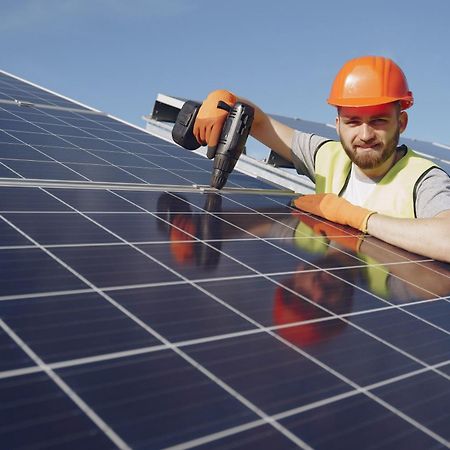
231, 142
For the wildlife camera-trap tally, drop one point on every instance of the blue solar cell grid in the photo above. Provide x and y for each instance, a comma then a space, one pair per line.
153, 318
14, 89
71, 146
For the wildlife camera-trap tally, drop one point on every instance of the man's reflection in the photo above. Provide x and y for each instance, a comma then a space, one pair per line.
186, 229
288, 308
309, 294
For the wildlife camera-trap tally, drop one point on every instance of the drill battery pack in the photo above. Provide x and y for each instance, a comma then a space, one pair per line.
183, 130
231, 142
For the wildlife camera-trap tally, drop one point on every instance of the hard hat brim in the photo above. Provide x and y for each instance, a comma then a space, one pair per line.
360, 102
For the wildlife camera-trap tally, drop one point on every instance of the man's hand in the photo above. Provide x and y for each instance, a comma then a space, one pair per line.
210, 119
332, 233
334, 208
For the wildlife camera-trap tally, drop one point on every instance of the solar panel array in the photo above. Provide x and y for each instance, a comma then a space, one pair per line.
139, 310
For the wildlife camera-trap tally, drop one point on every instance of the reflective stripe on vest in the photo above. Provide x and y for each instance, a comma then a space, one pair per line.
394, 193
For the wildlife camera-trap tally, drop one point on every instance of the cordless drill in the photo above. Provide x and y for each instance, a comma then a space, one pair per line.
231, 142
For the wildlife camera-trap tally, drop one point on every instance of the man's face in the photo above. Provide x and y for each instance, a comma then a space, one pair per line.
370, 134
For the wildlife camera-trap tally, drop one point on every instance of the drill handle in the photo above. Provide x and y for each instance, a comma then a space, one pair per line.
231, 143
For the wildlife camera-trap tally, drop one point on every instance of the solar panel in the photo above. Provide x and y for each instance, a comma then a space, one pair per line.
140, 310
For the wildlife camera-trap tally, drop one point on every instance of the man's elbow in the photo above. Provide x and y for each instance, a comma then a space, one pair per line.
442, 254
441, 239
443, 251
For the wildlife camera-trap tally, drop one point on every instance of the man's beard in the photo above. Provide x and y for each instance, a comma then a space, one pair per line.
372, 158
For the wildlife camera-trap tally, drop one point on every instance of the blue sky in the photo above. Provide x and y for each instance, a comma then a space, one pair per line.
116, 55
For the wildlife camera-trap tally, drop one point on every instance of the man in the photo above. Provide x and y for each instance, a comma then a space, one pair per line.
366, 181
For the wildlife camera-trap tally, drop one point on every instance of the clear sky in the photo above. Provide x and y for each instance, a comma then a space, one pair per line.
116, 55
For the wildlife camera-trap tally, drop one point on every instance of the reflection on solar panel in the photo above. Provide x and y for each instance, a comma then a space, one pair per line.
138, 310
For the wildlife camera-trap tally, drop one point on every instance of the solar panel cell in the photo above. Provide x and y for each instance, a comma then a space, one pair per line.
427, 343
195, 260
30, 270
6, 172
7, 138
20, 151
69, 155
9, 237
104, 173
131, 391
354, 354
19, 125
43, 170
260, 437
424, 398
123, 159
28, 199
89, 200
113, 265
435, 312
63, 425
12, 356
334, 292
159, 176
67, 327
180, 312
252, 366
265, 302
60, 229
40, 139
445, 369
89, 143
360, 421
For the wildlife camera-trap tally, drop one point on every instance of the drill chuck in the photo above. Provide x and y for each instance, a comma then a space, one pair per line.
223, 166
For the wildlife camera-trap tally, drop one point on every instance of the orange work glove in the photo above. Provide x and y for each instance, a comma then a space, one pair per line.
332, 233
210, 119
334, 208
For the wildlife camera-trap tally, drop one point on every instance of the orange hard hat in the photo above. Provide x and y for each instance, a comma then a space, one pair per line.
369, 81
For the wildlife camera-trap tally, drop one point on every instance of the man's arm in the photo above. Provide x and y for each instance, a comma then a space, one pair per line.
270, 132
428, 237
275, 135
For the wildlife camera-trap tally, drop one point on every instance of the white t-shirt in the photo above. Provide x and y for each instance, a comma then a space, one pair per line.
359, 187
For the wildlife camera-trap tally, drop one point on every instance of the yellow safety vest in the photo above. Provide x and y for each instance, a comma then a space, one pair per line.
394, 194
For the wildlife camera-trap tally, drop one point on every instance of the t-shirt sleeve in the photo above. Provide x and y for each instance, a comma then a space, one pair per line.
303, 150
433, 194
